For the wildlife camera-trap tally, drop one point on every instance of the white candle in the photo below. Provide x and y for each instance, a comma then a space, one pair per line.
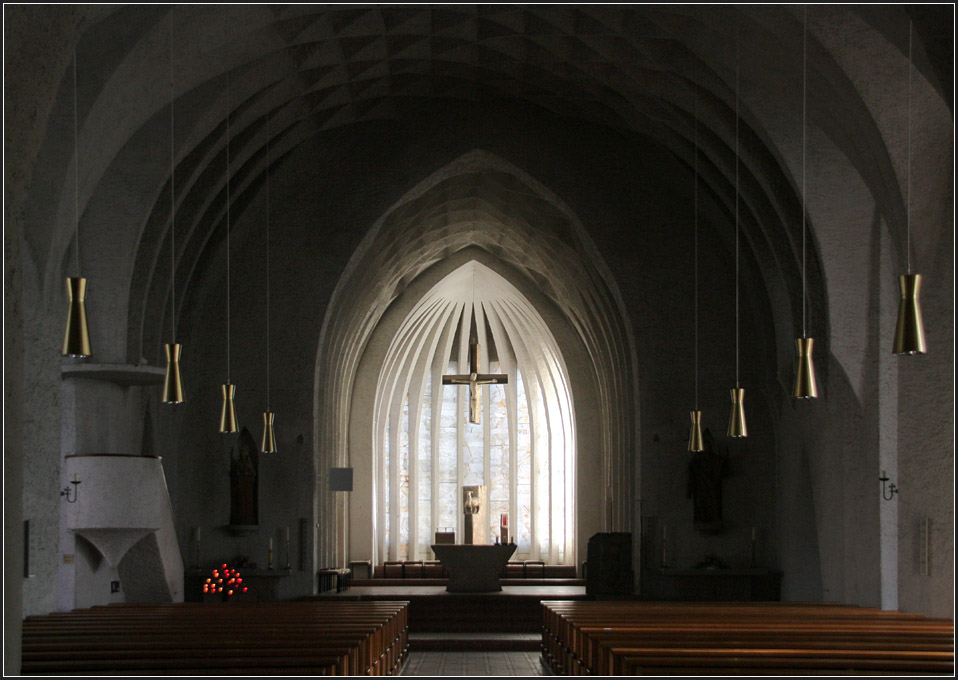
271, 544
883, 475
665, 532
287, 534
198, 534
754, 533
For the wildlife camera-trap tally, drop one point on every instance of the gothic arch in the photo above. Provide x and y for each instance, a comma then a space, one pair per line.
478, 208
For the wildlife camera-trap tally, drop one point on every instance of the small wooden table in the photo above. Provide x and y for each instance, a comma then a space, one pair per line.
473, 568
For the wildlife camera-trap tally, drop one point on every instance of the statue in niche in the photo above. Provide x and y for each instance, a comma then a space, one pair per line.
706, 470
244, 481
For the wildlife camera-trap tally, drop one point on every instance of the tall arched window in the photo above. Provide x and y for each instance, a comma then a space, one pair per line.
523, 450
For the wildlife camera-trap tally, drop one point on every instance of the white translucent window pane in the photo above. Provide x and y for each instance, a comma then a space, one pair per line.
499, 469
387, 447
523, 523
424, 474
404, 481
472, 462
447, 433
543, 510
448, 504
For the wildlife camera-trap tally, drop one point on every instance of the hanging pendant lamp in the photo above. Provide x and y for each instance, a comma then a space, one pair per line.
736, 423
806, 387
228, 424
173, 381
695, 435
76, 336
910, 329
269, 437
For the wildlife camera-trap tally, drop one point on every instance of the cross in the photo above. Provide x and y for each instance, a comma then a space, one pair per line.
474, 380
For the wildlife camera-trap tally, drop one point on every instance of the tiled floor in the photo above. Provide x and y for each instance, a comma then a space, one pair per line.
474, 663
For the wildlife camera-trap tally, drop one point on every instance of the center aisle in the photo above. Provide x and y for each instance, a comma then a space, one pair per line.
474, 663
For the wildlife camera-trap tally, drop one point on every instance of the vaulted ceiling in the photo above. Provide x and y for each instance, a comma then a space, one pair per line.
642, 71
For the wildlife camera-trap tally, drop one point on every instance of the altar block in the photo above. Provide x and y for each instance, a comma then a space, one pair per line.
473, 568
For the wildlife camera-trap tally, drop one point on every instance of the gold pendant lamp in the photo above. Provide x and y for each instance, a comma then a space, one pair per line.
910, 329
173, 381
76, 336
695, 435
228, 423
806, 387
736, 423
269, 437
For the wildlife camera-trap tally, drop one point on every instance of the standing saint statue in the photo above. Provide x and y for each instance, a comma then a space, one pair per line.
244, 482
706, 470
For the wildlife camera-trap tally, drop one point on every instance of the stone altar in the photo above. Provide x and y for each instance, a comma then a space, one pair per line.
473, 568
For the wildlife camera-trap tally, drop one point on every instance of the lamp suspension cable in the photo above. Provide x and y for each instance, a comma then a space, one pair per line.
267, 260
228, 227
695, 240
736, 213
908, 171
172, 193
804, 106
76, 165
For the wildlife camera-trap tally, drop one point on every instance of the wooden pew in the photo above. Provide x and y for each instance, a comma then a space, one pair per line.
317, 638
630, 638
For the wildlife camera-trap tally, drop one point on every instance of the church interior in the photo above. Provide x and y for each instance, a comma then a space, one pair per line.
305, 291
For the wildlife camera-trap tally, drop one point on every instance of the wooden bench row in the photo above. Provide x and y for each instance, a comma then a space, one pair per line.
235, 638
636, 638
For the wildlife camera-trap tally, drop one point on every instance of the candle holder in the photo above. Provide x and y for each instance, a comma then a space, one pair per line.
892, 489
66, 490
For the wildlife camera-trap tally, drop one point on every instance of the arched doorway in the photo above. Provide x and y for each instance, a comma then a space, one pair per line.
425, 447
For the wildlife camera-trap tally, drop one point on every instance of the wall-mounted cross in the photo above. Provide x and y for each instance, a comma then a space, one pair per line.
474, 380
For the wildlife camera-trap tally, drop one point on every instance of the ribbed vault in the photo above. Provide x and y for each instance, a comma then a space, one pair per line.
523, 448
319, 70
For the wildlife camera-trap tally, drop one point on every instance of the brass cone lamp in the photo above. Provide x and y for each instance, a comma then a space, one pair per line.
228, 414
695, 436
910, 330
172, 382
805, 385
76, 338
269, 438
76, 335
736, 423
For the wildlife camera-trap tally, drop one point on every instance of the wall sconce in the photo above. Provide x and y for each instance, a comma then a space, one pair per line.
892, 489
66, 490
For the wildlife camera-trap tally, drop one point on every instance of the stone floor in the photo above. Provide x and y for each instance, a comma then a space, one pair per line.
474, 663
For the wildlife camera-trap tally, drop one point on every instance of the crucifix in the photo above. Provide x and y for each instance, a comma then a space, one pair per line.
474, 379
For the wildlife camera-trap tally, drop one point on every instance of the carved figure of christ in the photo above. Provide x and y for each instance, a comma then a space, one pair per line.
475, 379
